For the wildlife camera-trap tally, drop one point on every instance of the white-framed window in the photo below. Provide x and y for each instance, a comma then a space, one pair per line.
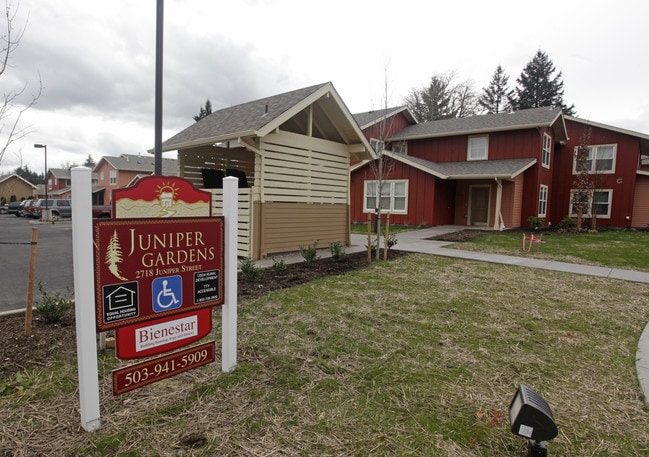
377, 145
601, 200
478, 148
101, 175
394, 196
601, 159
547, 150
112, 175
400, 147
543, 200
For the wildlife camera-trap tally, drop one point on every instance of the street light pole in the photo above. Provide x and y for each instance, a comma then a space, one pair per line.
44, 146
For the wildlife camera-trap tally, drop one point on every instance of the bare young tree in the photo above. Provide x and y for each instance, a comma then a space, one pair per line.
11, 107
584, 188
383, 166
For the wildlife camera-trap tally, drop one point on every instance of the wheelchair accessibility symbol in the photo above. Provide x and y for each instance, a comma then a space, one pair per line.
167, 293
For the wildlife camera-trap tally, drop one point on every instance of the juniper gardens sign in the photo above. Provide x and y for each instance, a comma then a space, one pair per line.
152, 268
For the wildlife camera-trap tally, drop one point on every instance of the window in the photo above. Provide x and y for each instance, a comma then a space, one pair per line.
543, 200
478, 148
377, 145
394, 196
400, 147
547, 149
601, 202
113, 176
101, 175
601, 159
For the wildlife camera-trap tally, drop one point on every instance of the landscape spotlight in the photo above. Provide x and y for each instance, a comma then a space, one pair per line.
530, 417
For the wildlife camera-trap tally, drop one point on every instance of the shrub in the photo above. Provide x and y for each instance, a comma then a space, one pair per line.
53, 306
309, 253
279, 265
251, 271
392, 241
535, 223
567, 223
337, 250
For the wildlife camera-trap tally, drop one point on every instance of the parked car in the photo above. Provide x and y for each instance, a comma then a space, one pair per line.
13, 207
101, 211
58, 208
26, 208
4, 209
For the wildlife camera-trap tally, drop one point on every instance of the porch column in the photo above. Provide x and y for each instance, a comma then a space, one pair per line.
498, 219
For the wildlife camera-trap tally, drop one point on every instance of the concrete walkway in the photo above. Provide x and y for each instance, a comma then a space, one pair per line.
419, 241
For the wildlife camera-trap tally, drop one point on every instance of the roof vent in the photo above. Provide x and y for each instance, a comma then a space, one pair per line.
265, 109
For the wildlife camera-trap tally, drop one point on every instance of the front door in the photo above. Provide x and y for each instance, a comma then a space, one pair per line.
479, 205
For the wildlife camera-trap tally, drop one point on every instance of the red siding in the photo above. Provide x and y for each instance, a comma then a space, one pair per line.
386, 128
641, 203
622, 182
422, 196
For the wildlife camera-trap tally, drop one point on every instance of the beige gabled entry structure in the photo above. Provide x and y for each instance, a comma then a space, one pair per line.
291, 153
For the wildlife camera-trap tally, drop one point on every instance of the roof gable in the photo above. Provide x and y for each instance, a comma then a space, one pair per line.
6, 177
139, 163
370, 118
644, 138
517, 120
316, 110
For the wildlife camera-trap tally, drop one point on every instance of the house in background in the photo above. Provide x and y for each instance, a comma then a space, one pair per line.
15, 188
484, 171
620, 179
115, 172
497, 170
59, 184
291, 153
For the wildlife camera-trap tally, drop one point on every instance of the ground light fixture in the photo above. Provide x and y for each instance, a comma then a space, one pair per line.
530, 416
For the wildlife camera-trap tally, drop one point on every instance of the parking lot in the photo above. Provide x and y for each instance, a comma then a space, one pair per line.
53, 259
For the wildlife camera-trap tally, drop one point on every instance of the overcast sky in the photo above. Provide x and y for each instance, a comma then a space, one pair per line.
96, 60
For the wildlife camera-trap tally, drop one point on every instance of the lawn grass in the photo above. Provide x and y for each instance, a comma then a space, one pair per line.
626, 249
417, 356
361, 229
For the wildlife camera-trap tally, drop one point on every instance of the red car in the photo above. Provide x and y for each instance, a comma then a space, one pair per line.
26, 208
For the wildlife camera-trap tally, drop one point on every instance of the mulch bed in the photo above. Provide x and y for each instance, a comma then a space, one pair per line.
19, 352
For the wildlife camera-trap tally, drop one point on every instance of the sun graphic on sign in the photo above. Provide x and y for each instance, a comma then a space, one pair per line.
167, 194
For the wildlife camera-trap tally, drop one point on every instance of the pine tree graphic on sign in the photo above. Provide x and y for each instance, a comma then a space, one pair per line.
114, 256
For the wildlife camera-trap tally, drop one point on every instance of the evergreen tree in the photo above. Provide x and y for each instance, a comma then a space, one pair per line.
90, 162
29, 175
538, 87
496, 98
204, 111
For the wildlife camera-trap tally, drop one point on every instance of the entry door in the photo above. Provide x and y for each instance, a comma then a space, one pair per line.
480, 205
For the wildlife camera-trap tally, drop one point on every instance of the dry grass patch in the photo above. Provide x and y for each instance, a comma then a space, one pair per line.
418, 356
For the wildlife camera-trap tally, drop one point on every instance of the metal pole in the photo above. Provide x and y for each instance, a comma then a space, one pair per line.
44, 146
158, 88
46, 182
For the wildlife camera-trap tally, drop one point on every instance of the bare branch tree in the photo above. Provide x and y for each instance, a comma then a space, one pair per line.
382, 168
11, 109
582, 196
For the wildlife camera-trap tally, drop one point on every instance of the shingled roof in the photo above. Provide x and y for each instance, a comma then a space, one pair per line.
472, 169
472, 125
141, 163
258, 118
370, 118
